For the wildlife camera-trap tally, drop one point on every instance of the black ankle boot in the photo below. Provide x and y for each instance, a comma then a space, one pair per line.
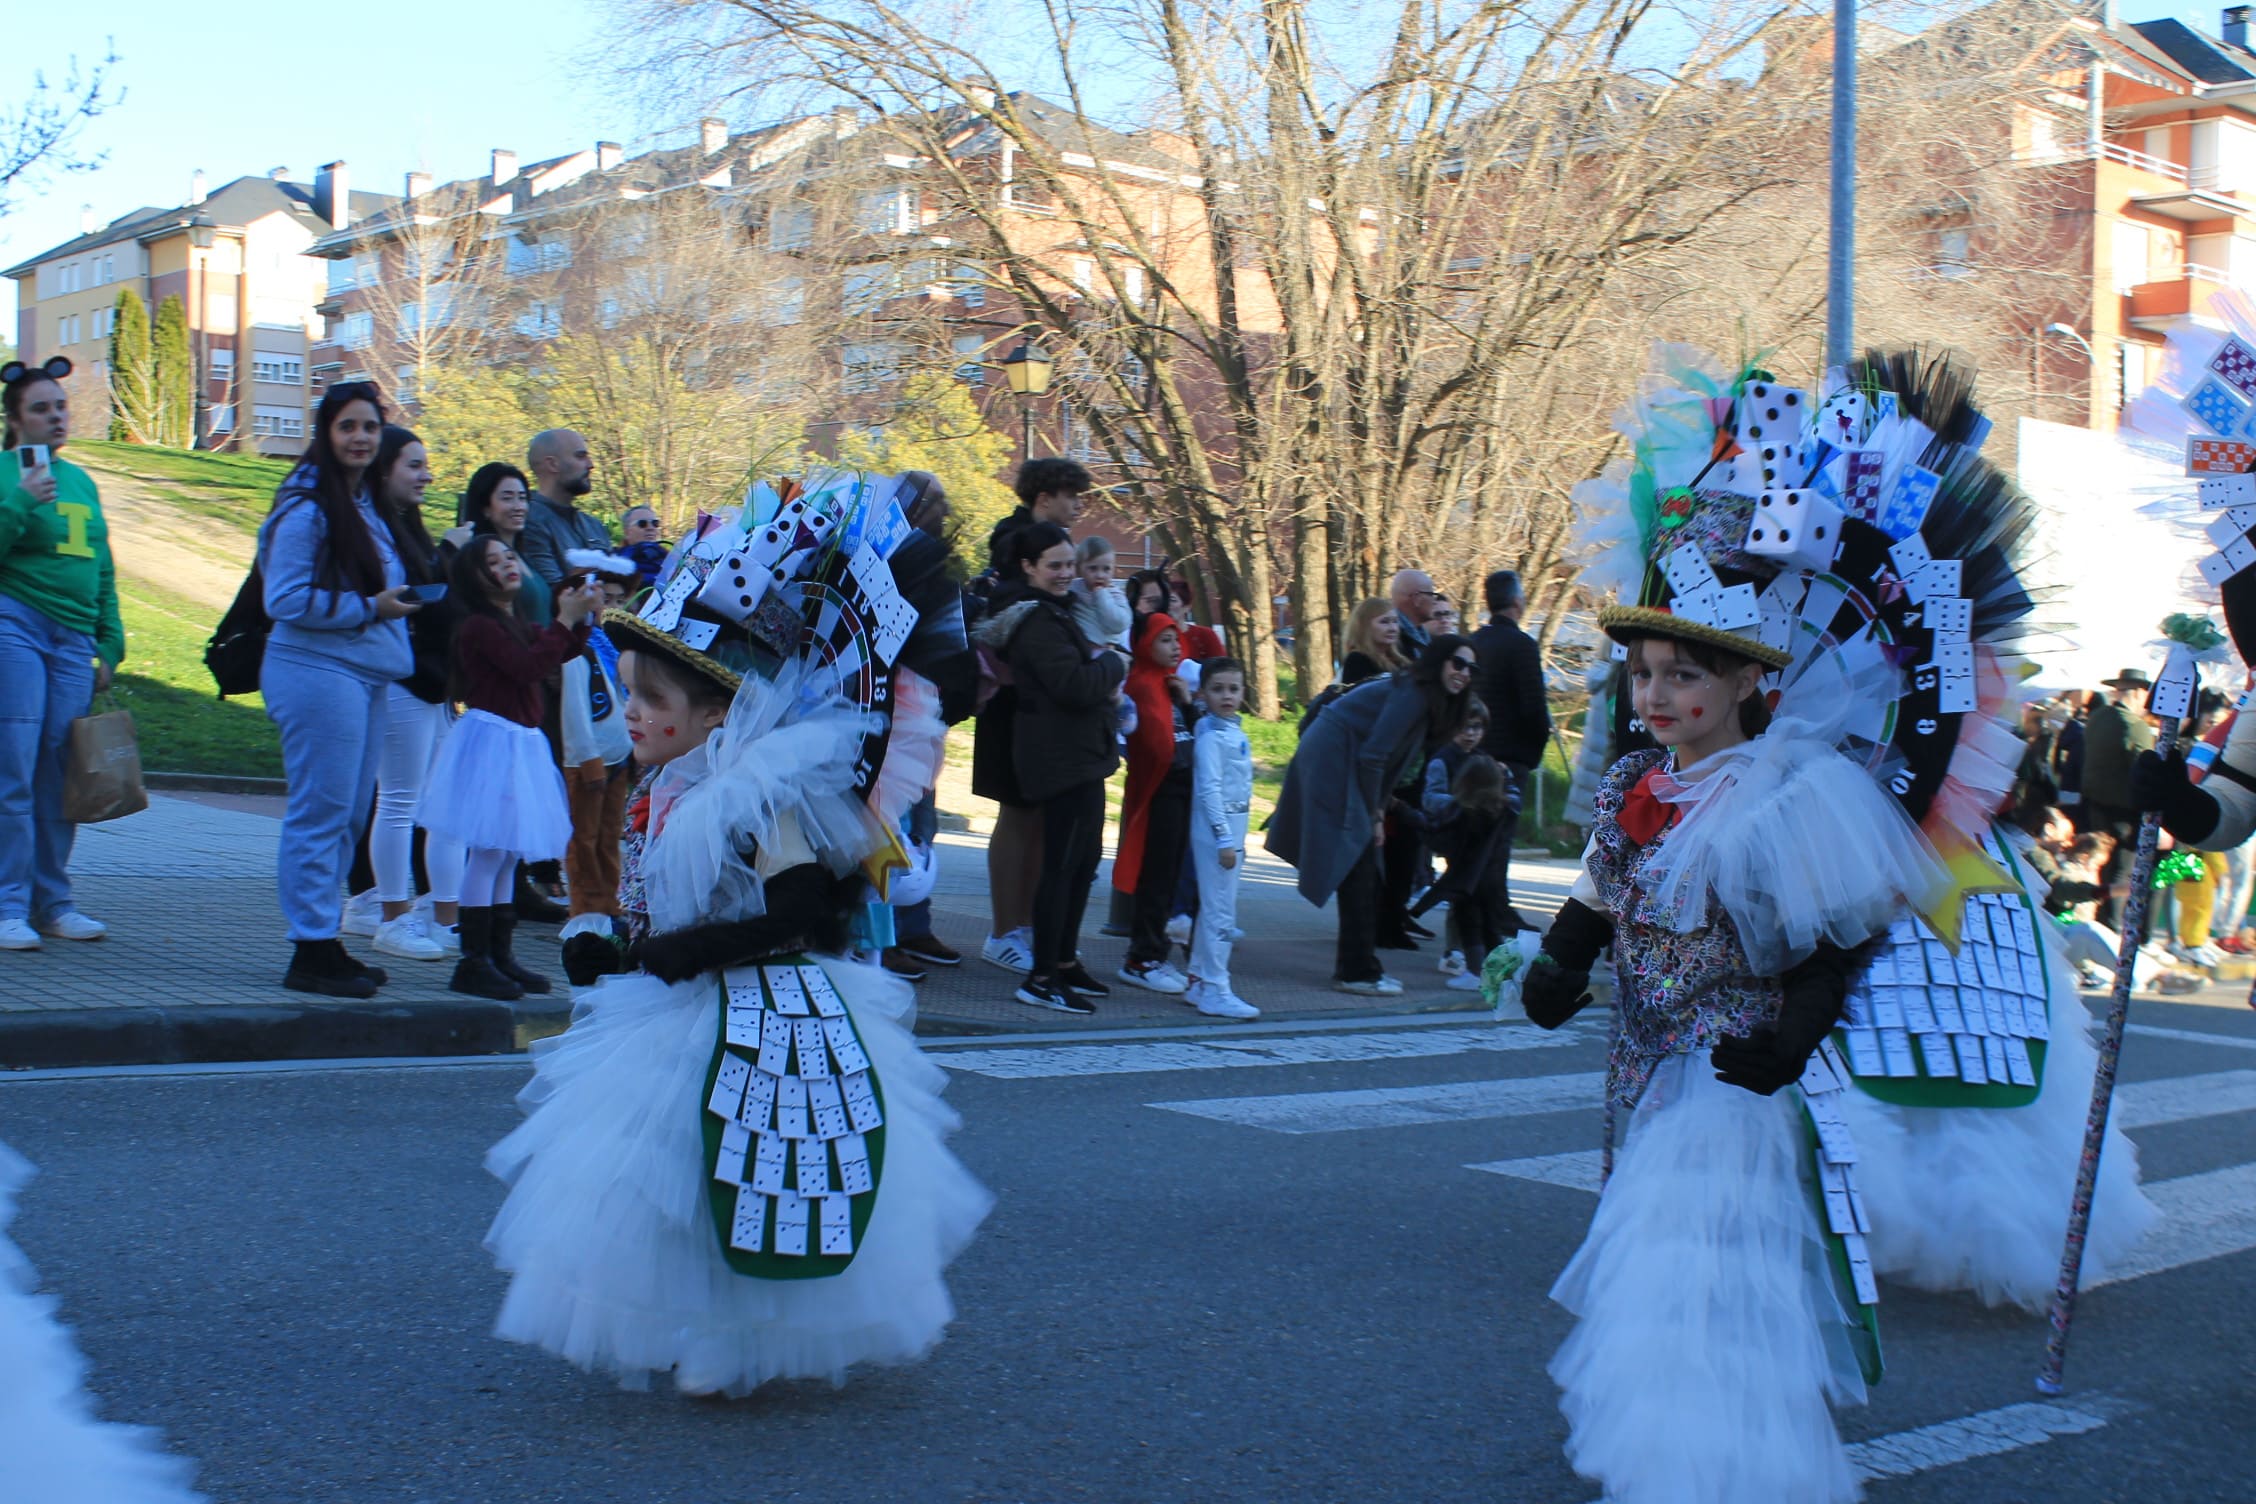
475, 973
504, 955
530, 903
315, 967
345, 960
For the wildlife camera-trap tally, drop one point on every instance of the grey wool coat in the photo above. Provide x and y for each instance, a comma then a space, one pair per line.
1349, 761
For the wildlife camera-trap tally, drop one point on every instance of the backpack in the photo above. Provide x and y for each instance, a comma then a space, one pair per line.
237, 649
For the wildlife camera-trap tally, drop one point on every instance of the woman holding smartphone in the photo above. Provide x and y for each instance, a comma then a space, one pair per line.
60, 641
337, 592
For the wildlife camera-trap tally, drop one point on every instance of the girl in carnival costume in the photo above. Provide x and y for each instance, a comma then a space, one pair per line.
732, 1166
1807, 900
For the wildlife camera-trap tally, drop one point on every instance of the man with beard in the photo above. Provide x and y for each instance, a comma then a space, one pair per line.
554, 524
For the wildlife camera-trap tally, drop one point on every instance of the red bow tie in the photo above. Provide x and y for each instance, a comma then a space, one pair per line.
1644, 815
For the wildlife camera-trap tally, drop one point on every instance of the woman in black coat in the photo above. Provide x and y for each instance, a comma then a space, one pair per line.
1063, 749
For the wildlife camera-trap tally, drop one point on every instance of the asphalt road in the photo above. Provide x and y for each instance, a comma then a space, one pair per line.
1289, 1284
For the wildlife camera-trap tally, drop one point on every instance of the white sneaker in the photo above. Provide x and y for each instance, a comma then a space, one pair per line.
364, 914
1463, 981
1157, 976
1453, 963
1008, 952
448, 936
70, 924
1377, 987
1179, 930
17, 934
404, 937
1219, 1002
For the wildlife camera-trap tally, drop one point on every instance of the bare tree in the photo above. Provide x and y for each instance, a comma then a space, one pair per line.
38, 135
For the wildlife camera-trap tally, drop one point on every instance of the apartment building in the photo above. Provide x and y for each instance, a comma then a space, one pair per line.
2151, 131
237, 258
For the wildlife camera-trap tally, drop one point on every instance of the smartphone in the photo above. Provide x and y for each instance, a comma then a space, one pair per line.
423, 595
30, 457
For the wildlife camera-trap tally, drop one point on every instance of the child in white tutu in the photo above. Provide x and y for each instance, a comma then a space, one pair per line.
53, 1450
496, 788
647, 1230
1711, 1334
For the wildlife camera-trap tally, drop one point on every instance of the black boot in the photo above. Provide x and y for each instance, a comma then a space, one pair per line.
321, 966
376, 975
504, 958
475, 973
530, 903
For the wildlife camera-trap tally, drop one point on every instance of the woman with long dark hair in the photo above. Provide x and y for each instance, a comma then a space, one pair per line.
1331, 813
416, 717
495, 504
336, 588
60, 640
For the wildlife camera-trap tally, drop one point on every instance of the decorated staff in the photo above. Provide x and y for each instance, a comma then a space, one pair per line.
2173, 700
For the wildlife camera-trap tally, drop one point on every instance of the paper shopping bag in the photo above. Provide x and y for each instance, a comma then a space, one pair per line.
102, 779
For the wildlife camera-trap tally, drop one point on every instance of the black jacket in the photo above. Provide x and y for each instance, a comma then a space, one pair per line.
1509, 682
1005, 533
937, 647
1064, 731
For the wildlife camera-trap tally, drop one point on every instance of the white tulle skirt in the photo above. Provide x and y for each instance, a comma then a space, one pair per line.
606, 1232
1977, 1199
52, 1449
1710, 1337
495, 785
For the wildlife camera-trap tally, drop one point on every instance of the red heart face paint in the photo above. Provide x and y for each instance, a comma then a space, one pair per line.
1697, 712
670, 732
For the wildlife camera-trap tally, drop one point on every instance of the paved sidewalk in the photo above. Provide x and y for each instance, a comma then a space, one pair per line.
192, 969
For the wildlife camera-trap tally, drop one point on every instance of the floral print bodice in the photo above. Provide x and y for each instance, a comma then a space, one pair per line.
1678, 992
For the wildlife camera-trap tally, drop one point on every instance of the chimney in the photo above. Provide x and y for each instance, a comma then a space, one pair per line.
712, 134
504, 166
608, 154
86, 224
196, 186
982, 96
418, 184
332, 195
2236, 26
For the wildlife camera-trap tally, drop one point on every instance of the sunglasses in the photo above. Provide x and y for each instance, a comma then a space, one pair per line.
1467, 664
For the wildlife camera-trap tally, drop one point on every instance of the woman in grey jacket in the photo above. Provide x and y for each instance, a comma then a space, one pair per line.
334, 588
1332, 809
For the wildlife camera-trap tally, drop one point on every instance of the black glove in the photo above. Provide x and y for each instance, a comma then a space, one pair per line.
1558, 981
807, 911
1774, 1055
589, 956
1551, 994
2188, 814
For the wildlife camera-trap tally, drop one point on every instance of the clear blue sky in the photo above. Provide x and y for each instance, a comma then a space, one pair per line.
238, 88
431, 85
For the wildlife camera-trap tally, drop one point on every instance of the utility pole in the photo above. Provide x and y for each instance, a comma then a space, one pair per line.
1840, 260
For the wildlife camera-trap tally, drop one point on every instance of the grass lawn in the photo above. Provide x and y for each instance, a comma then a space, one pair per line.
184, 727
235, 489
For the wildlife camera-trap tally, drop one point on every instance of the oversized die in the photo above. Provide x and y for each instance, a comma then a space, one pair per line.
1797, 528
1845, 419
1771, 414
735, 586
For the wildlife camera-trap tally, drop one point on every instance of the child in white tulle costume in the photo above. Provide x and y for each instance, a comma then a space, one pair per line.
745, 846
52, 1448
1737, 873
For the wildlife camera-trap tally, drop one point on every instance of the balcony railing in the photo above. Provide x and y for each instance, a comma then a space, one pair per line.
2161, 167
2188, 293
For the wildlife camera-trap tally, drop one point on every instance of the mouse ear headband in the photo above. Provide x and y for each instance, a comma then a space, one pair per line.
55, 368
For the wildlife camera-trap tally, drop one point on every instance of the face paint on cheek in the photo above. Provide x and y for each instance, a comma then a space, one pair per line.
1697, 712
669, 731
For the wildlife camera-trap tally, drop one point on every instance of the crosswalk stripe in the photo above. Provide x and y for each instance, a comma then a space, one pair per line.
2190, 1036
1990, 1433
1239, 1052
2138, 1104
1398, 1106
2203, 1217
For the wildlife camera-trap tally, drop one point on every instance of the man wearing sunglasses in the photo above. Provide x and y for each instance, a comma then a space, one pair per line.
1413, 594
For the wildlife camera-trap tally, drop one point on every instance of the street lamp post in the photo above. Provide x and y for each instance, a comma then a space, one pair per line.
1027, 370
2036, 359
1840, 279
201, 229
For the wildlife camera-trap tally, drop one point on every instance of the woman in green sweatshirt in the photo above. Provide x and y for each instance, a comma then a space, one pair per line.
60, 641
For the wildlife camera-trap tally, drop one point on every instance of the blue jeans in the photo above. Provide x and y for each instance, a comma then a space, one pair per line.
332, 726
914, 921
48, 670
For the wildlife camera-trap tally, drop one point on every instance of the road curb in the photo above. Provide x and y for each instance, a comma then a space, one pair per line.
213, 783
225, 1032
